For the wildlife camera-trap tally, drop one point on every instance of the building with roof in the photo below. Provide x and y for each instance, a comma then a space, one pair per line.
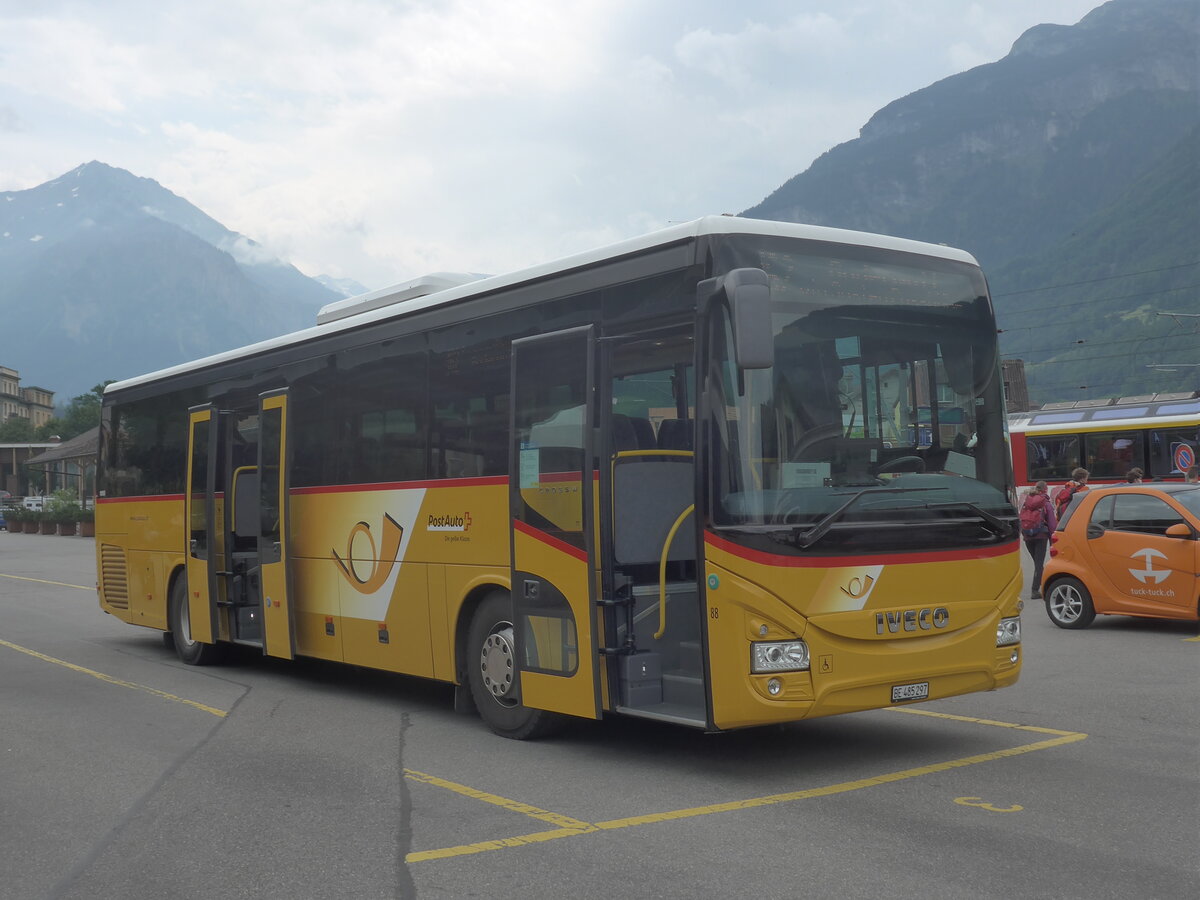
13, 477
33, 403
70, 465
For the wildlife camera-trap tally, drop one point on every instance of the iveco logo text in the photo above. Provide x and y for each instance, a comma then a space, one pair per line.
450, 522
912, 619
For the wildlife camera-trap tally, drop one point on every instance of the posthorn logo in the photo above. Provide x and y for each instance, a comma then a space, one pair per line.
1148, 574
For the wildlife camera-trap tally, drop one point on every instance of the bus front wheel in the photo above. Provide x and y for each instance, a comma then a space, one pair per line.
492, 673
190, 651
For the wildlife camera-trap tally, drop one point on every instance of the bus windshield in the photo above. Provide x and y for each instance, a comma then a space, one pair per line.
883, 409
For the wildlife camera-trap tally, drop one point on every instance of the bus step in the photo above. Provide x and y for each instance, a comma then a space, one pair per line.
668, 712
684, 689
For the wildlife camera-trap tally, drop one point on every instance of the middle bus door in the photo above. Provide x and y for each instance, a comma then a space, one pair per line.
552, 500
205, 540
279, 634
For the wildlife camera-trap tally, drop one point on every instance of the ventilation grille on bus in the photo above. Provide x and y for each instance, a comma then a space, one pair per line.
114, 578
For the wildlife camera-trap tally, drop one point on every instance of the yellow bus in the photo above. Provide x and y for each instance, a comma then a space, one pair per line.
731, 473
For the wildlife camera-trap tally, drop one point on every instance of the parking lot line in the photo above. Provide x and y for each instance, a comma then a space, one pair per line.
575, 827
110, 679
513, 805
81, 587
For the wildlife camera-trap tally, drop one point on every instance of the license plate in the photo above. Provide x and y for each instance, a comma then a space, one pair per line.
910, 692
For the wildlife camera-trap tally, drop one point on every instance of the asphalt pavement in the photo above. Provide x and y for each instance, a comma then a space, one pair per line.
125, 774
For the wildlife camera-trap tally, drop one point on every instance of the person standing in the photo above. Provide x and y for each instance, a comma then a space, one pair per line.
1134, 476
1077, 483
1192, 476
1038, 521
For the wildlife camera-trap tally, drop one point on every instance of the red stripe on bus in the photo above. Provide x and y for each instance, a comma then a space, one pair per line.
148, 498
403, 485
551, 477
775, 559
549, 540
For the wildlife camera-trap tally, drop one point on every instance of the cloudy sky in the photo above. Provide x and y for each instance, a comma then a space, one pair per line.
384, 139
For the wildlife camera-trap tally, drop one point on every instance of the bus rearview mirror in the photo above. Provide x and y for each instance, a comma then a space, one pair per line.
749, 294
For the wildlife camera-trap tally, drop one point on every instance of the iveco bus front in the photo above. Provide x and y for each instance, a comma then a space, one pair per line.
861, 538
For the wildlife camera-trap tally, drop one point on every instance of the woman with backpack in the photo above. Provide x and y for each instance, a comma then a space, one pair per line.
1038, 521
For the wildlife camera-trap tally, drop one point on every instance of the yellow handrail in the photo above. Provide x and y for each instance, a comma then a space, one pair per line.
662, 572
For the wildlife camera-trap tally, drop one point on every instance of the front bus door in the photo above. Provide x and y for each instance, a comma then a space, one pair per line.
204, 539
279, 638
552, 514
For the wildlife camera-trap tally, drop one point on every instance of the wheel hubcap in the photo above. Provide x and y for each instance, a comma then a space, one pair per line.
496, 664
1066, 604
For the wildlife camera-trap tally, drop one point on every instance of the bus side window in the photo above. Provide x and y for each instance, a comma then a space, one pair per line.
1052, 457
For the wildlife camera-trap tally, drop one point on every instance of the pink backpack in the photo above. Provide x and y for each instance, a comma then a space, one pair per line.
1033, 514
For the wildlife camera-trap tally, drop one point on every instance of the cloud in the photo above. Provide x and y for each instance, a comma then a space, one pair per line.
759, 50
381, 140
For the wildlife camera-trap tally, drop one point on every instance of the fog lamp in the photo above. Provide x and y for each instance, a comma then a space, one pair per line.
774, 686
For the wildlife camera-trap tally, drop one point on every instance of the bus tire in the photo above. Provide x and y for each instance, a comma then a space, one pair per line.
1069, 603
492, 673
190, 652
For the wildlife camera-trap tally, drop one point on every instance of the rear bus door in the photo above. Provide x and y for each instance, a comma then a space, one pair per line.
279, 636
204, 539
552, 503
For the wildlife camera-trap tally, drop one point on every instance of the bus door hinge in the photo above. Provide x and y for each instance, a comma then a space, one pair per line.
622, 592
617, 651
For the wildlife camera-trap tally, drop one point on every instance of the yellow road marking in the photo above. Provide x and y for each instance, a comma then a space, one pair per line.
983, 804
576, 827
44, 581
111, 680
513, 805
1197, 638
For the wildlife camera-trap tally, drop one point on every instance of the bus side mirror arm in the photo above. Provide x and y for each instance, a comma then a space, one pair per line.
748, 293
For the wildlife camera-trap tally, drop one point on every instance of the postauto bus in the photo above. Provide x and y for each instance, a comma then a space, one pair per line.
718, 475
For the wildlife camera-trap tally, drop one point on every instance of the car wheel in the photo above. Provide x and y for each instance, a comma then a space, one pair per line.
492, 673
1069, 604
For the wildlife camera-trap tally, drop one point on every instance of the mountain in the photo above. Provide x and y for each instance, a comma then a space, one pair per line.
105, 275
1067, 161
1091, 314
346, 287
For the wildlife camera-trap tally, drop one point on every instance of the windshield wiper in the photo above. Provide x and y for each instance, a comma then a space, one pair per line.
998, 526
806, 538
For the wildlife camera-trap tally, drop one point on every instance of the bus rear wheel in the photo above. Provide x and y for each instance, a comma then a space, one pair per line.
492, 673
1069, 604
189, 651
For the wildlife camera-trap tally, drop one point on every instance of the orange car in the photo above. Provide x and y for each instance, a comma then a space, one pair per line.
1126, 550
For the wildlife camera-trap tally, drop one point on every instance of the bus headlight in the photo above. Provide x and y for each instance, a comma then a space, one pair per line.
778, 656
1008, 632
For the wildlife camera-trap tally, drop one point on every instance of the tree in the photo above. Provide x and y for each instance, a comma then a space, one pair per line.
16, 430
82, 413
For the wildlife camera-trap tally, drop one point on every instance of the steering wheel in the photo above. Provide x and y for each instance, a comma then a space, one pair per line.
902, 464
